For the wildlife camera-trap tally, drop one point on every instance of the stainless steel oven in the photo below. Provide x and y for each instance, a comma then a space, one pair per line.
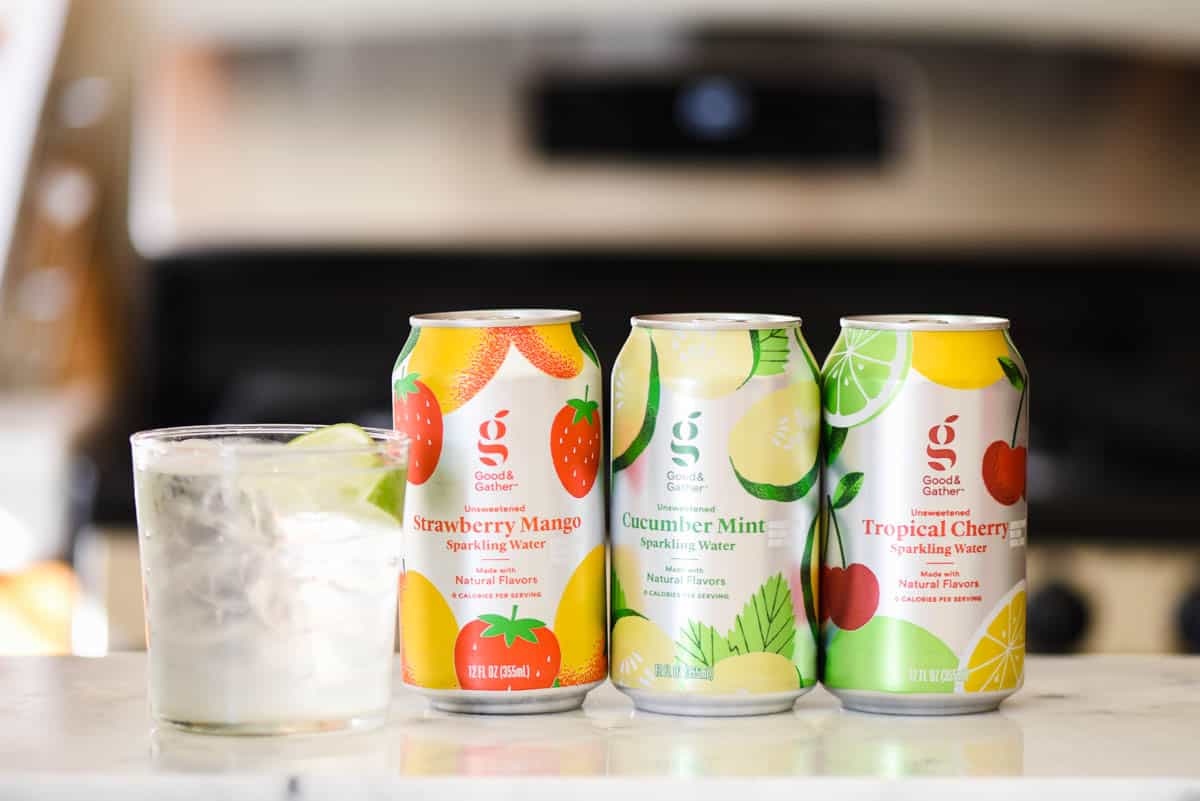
296, 198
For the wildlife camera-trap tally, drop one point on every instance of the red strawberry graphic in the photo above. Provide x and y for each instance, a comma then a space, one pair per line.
494, 652
575, 444
415, 411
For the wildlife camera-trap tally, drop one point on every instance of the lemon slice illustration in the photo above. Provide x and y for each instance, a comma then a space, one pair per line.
960, 359
996, 658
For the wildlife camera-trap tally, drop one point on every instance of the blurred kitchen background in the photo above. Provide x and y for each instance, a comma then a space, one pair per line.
225, 211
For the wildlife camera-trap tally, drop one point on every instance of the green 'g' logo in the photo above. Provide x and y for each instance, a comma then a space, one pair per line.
685, 431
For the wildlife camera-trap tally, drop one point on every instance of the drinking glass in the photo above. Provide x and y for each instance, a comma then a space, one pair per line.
270, 565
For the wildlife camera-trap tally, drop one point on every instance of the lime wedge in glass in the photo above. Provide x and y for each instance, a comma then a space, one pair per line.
360, 478
862, 374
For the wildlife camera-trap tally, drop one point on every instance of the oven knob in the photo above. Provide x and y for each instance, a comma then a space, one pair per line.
1058, 618
1189, 621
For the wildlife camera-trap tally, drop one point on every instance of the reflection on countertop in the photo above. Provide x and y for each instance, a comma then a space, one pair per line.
1077, 717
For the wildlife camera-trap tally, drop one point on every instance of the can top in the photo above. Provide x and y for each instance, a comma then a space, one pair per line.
714, 321
926, 322
494, 318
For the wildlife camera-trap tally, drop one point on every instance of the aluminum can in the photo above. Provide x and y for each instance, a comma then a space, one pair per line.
923, 585
715, 436
502, 604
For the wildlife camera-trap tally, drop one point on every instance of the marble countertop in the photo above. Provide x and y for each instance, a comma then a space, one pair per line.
1111, 726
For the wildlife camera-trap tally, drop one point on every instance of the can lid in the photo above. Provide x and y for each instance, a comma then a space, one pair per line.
714, 321
494, 318
926, 322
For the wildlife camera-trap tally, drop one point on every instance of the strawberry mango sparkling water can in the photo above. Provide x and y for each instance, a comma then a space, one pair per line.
715, 434
926, 426
502, 604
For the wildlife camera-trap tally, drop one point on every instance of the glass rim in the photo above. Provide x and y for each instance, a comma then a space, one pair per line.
383, 440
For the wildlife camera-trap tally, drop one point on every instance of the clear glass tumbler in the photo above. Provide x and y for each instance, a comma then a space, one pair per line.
270, 566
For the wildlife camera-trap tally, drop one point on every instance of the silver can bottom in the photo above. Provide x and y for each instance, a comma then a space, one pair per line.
524, 702
712, 706
920, 703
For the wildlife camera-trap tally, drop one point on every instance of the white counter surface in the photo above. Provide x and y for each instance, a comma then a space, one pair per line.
1114, 727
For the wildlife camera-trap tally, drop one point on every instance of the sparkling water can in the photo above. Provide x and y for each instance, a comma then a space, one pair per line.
502, 603
715, 536
926, 430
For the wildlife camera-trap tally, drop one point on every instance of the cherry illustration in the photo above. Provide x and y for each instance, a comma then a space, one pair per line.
1004, 462
850, 593
1004, 472
858, 599
831, 587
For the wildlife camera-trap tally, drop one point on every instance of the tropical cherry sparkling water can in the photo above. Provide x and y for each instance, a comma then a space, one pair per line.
715, 437
926, 426
502, 603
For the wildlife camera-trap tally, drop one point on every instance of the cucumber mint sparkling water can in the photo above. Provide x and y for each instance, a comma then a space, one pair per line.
926, 426
715, 537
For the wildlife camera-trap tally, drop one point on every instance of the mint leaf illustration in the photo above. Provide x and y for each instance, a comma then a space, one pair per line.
700, 646
1012, 372
770, 349
835, 438
620, 604
582, 340
409, 344
808, 357
847, 490
812, 554
767, 622
621, 461
619, 601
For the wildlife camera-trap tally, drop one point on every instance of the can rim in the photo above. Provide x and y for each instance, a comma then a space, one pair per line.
715, 321
494, 318
926, 322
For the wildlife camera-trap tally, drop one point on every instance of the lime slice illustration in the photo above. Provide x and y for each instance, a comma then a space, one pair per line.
862, 374
880, 656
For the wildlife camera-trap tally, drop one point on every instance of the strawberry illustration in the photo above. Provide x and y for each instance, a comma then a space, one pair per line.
415, 411
494, 652
575, 444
